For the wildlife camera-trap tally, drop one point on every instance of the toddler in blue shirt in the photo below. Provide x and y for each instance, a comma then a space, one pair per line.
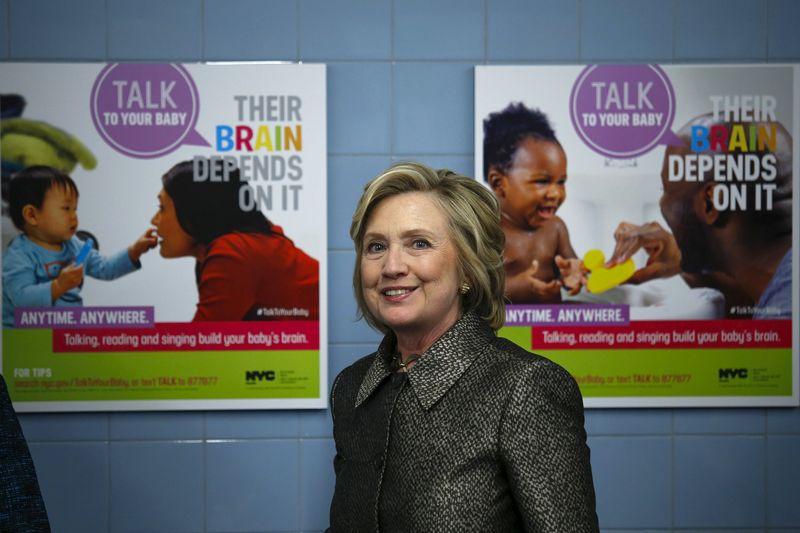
38, 266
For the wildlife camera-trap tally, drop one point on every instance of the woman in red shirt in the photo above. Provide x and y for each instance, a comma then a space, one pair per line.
247, 269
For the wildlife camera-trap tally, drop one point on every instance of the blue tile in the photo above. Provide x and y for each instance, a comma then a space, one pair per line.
251, 424
708, 421
155, 30
533, 30
439, 29
719, 482
720, 29
464, 165
783, 39
157, 426
343, 322
252, 486
316, 483
4, 35
783, 420
346, 29
628, 421
359, 109
250, 30
52, 29
626, 30
717, 530
343, 356
433, 108
783, 481
632, 478
156, 486
347, 176
64, 426
73, 477
318, 423
606, 530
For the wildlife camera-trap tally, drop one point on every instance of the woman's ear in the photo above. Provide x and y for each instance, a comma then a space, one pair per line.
30, 214
496, 180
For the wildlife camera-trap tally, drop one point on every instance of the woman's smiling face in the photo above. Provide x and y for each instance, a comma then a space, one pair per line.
409, 266
173, 239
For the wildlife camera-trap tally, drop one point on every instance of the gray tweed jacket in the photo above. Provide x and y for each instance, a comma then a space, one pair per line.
479, 436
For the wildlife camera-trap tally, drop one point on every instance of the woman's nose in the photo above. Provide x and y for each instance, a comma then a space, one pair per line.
394, 263
155, 220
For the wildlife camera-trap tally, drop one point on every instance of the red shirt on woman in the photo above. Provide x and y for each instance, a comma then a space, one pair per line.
252, 276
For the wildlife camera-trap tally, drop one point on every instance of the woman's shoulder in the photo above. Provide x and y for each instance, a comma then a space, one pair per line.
354, 374
348, 381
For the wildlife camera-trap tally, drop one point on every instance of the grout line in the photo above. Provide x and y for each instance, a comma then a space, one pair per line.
297, 31
392, 66
485, 37
205, 471
580, 31
392, 29
299, 509
673, 490
8, 29
203, 57
108, 477
108, 31
674, 27
766, 31
765, 471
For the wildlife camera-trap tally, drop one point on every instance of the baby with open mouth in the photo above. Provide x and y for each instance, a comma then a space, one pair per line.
526, 167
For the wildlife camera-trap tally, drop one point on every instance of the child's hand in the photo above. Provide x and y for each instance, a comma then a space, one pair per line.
70, 277
663, 254
543, 291
573, 274
146, 242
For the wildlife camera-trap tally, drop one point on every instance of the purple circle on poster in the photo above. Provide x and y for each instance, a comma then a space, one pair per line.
622, 111
145, 110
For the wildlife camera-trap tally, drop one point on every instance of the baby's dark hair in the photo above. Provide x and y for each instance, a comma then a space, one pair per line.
29, 186
207, 209
503, 131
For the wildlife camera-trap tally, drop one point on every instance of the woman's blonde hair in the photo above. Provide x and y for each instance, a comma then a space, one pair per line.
474, 219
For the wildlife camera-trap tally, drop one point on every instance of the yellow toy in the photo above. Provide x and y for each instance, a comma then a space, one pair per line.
602, 278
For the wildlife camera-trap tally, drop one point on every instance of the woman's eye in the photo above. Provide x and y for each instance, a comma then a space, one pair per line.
421, 244
375, 247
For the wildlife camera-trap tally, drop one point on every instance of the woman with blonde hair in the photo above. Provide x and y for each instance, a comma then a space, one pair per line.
447, 427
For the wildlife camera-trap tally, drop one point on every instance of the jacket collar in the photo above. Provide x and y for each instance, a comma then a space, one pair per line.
439, 367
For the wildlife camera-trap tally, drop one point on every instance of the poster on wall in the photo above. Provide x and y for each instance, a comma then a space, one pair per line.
651, 217
164, 236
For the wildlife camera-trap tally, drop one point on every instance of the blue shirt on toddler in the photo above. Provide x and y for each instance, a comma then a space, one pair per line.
29, 269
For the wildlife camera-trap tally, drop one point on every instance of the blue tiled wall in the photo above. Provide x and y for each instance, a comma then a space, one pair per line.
399, 86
